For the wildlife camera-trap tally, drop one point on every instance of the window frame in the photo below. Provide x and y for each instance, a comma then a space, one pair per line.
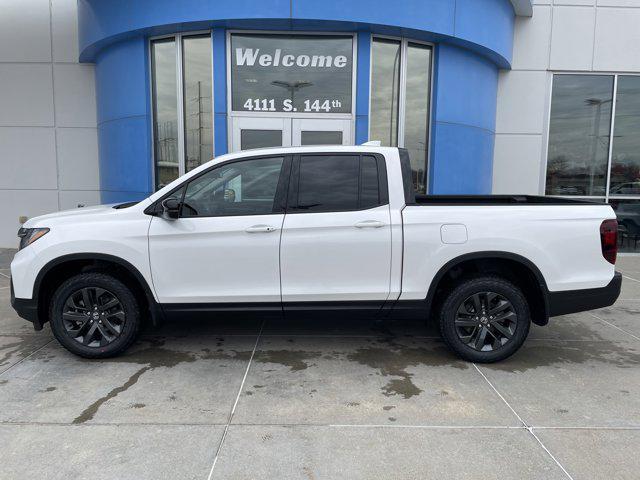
177, 38
279, 201
292, 206
547, 131
402, 93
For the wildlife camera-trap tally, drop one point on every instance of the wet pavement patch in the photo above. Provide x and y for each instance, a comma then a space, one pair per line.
392, 359
92, 409
154, 355
296, 360
557, 354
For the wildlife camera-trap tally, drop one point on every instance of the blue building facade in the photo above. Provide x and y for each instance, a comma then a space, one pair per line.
469, 42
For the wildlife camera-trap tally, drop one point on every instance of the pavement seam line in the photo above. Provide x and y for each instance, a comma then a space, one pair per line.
7, 276
22, 360
524, 424
630, 278
614, 326
235, 404
530, 430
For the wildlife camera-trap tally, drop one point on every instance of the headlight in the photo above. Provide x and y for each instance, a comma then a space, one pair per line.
30, 235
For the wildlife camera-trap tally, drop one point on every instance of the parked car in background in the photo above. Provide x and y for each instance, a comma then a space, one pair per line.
628, 188
315, 229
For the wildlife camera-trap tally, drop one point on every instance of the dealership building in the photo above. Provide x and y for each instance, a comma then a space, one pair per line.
105, 101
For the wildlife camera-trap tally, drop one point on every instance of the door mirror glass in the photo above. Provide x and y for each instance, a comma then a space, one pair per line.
171, 208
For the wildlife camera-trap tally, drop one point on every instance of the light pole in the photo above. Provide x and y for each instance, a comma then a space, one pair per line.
292, 87
596, 102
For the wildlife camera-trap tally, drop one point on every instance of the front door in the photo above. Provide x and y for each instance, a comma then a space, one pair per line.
224, 248
261, 132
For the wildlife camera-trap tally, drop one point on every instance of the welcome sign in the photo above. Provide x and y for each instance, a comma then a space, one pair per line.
291, 73
249, 56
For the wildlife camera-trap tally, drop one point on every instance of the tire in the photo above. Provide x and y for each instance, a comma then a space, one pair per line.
100, 329
505, 325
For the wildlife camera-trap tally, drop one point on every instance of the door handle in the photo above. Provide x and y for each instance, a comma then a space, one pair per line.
370, 224
261, 229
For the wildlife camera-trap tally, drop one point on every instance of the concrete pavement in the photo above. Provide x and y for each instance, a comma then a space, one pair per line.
324, 399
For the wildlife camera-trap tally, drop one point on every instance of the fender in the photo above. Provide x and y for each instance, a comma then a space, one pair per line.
156, 311
487, 255
426, 304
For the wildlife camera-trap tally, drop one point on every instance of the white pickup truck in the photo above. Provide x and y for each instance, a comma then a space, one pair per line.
315, 229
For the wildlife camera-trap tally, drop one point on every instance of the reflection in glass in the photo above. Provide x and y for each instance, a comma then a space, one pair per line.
240, 188
579, 135
625, 160
198, 121
385, 88
369, 188
321, 138
260, 138
628, 213
328, 183
165, 109
268, 70
416, 117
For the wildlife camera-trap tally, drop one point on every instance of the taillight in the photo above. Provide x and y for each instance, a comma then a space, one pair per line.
609, 240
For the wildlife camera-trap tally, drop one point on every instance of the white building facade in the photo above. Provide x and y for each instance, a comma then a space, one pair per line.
566, 119
48, 135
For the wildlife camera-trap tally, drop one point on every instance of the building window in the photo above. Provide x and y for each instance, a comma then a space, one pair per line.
291, 73
181, 80
579, 127
401, 100
594, 145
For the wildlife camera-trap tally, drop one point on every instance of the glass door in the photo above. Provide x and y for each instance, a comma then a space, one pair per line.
311, 131
251, 132
262, 132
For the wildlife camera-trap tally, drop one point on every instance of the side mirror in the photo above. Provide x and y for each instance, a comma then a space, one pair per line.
170, 208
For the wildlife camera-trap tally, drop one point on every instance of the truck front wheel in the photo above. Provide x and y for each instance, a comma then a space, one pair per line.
485, 319
94, 315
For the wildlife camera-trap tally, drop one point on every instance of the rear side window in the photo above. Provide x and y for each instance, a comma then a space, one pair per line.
407, 177
369, 185
335, 183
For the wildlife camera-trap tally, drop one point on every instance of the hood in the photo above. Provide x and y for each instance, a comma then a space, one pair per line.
42, 220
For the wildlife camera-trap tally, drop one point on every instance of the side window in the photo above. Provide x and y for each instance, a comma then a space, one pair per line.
328, 183
369, 187
240, 188
337, 183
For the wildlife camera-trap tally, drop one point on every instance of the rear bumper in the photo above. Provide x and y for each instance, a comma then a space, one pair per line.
572, 301
26, 308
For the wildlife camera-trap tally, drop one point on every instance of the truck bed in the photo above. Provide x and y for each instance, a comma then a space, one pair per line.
497, 200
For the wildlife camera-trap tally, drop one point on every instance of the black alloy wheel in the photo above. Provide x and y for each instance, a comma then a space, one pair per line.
93, 316
486, 321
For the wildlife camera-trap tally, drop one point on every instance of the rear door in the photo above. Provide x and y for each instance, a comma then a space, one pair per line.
336, 236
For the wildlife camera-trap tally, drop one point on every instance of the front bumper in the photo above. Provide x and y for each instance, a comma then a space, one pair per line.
26, 308
572, 301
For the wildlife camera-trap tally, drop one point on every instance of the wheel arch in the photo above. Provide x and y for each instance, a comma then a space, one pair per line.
514, 267
62, 268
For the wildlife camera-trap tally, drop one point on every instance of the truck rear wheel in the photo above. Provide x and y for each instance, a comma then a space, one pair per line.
485, 319
94, 315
